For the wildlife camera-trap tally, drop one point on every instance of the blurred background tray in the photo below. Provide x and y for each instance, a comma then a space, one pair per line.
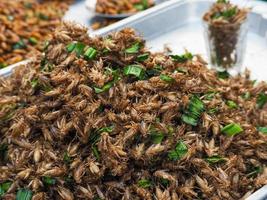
178, 24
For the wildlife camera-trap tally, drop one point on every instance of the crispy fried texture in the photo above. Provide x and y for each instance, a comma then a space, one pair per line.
50, 132
25, 25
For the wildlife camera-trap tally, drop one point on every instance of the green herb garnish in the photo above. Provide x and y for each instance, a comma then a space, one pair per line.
144, 183
24, 194
33, 40
105, 88
96, 152
48, 180
223, 75
261, 100
42, 16
135, 70
255, 171
164, 182
179, 152
133, 49
262, 130
215, 159
194, 111
90, 53
3, 65
143, 57
4, 187
70, 47
19, 45
166, 78
232, 129
182, 58
66, 158
34, 83
157, 137
231, 104
107, 129
79, 48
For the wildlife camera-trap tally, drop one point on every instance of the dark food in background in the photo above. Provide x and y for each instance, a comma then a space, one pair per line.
102, 23
25, 25
114, 7
103, 118
225, 23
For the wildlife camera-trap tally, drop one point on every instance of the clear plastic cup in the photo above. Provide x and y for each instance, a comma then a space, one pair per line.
226, 45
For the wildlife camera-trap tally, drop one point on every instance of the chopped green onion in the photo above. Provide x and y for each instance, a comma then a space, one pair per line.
43, 16
215, 159
154, 71
164, 182
135, 70
90, 53
144, 183
222, 1
4, 187
19, 45
96, 152
255, 171
232, 129
143, 57
105, 88
33, 40
24, 194
209, 96
181, 70
179, 152
246, 96
166, 78
261, 100
34, 83
139, 7
48, 180
70, 47
2, 65
182, 58
107, 129
231, 104
229, 13
66, 158
213, 110
79, 48
223, 75
157, 137
194, 110
133, 49
262, 130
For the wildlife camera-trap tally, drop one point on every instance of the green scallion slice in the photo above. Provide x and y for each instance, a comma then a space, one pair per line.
144, 183
262, 130
143, 57
24, 194
179, 152
70, 47
166, 78
215, 159
48, 180
4, 187
33, 40
231, 104
182, 58
135, 70
261, 100
232, 129
133, 49
90, 53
